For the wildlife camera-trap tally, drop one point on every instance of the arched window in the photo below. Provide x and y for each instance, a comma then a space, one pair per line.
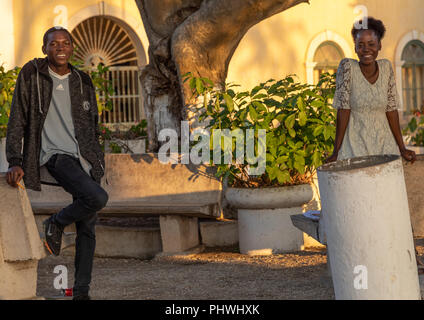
327, 58
104, 40
413, 76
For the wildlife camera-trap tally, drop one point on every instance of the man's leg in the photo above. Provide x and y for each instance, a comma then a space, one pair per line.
85, 245
89, 197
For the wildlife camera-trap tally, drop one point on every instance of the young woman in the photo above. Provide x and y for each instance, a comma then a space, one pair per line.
367, 102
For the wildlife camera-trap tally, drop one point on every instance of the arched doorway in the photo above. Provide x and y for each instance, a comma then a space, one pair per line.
102, 39
327, 45
327, 58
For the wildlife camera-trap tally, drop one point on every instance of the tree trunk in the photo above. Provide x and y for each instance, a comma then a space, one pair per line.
198, 36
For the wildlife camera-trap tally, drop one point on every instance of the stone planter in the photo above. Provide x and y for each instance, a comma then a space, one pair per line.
367, 224
137, 146
4, 165
264, 217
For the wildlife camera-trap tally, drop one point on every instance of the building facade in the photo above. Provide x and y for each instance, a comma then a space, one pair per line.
305, 40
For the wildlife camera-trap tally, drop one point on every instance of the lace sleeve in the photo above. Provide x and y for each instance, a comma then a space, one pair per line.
392, 94
343, 85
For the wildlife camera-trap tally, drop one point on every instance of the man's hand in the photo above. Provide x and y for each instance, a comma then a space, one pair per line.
14, 175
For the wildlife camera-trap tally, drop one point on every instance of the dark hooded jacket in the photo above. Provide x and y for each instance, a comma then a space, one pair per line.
30, 104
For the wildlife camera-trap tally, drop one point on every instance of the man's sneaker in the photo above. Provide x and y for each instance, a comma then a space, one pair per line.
53, 236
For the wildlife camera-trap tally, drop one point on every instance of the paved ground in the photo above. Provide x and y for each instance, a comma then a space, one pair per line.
220, 273
217, 273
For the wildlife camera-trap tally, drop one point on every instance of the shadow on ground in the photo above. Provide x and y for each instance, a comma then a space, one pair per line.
216, 273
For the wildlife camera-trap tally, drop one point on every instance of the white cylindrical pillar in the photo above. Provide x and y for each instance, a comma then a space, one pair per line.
368, 228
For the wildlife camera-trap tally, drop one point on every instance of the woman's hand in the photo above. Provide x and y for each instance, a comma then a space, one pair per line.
331, 158
408, 155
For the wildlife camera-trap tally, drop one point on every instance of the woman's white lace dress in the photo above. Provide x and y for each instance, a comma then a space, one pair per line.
368, 131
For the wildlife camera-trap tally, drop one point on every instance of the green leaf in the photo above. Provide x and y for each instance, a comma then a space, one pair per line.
299, 164
300, 104
292, 133
316, 159
228, 101
199, 86
192, 83
255, 90
283, 176
270, 157
327, 132
259, 106
298, 145
273, 173
412, 125
302, 118
252, 113
317, 103
281, 159
289, 122
260, 96
208, 81
318, 130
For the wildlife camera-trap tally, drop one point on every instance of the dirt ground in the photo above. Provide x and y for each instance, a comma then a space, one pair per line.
216, 273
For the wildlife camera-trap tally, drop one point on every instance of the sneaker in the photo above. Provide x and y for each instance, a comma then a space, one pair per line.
53, 236
82, 297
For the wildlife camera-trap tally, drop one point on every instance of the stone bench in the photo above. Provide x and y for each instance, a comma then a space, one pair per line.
313, 228
141, 184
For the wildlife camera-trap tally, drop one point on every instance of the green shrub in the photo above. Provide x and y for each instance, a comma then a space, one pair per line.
7, 87
298, 119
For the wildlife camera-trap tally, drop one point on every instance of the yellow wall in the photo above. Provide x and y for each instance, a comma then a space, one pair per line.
272, 49
277, 46
7, 44
33, 18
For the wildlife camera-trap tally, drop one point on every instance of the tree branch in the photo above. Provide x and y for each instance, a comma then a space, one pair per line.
206, 41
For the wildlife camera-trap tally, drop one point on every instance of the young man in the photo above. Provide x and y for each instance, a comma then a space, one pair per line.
54, 113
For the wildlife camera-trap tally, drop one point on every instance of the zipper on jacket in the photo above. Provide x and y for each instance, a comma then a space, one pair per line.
101, 165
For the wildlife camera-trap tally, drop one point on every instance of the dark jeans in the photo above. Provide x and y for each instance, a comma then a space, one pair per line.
89, 197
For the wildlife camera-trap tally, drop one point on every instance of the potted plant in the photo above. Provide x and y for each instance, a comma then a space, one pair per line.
7, 87
133, 140
413, 133
300, 130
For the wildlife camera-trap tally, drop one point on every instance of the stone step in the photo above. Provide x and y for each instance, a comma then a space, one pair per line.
140, 242
219, 233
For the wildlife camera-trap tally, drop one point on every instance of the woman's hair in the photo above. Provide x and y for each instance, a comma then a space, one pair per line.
373, 24
54, 29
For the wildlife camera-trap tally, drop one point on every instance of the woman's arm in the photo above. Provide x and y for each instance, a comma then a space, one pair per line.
343, 116
341, 102
393, 118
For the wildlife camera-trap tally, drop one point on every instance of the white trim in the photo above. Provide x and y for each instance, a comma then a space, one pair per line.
133, 26
324, 36
411, 35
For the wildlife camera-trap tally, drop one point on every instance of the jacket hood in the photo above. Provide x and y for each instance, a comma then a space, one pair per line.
42, 67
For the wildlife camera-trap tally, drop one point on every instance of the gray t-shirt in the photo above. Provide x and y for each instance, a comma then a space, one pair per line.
58, 135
